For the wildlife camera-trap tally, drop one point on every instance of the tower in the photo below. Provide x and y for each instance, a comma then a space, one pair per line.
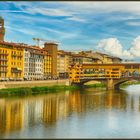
2, 29
52, 48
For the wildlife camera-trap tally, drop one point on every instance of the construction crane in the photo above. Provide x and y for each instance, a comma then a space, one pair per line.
44, 40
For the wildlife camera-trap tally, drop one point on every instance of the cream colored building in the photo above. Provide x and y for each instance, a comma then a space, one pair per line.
109, 59
101, 57
33, 63
63, 63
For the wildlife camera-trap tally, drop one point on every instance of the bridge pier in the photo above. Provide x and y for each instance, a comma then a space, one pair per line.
110, 84
117, 87
77, 84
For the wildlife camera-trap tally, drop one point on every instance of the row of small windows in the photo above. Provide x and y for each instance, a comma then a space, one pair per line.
3, 63
15, 52
38, 74
31, 69
4, 75
3, 57
36, 60
3, 51
34, 74
18, 58
35, 65
18, 63
16, 74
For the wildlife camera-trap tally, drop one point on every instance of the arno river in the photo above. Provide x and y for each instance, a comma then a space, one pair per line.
90, 113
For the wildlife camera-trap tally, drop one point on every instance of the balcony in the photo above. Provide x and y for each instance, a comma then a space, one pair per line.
3, 70
3, 65
4, 54
16, 70
13, 55
3, 59
20, 55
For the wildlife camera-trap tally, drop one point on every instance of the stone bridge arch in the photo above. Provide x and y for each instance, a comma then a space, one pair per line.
96, 80
109, 83
82, 82
117, 83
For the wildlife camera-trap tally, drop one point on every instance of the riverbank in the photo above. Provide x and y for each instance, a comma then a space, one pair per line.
124, 85
38, 83
52, 87
25, 91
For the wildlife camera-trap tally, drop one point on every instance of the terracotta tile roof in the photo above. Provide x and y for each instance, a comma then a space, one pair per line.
22, 45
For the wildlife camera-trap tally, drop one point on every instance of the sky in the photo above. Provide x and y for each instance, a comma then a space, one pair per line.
109, 27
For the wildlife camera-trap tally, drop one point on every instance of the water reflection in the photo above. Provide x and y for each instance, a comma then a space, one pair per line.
18, 114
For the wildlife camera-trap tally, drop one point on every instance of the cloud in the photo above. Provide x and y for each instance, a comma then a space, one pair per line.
24, 31
12, 11
110, 45
132, 7
48, 11
78, 8
133, 23
42, 8
74, 18
97, 20
135, 49
113, 47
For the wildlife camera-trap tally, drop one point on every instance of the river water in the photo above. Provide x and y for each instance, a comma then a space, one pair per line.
89, 113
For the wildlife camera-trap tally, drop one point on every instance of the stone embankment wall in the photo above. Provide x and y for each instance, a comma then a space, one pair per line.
16, 84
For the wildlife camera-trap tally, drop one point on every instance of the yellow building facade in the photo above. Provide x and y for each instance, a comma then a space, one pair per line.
11, 61
17, 61
47, 63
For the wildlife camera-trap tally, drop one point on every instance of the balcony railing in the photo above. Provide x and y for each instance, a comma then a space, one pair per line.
5, 54
3, 65
13, 55
3, 59
16, 70
19, 55
4, 70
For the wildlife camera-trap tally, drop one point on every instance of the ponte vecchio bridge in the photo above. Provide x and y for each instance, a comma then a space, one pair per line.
112, 75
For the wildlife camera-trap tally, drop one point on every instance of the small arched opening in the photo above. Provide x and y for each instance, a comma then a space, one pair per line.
119, 83
135, 73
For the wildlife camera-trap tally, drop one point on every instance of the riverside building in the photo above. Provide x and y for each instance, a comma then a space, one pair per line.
11, 61
63, 63
19, 61
47, 63
33, 63
52, 48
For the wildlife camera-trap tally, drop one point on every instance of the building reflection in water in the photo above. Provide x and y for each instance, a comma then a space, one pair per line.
20, 113
11, 115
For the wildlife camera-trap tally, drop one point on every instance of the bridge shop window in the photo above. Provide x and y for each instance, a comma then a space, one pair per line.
115, 69
135, 67
127, 66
